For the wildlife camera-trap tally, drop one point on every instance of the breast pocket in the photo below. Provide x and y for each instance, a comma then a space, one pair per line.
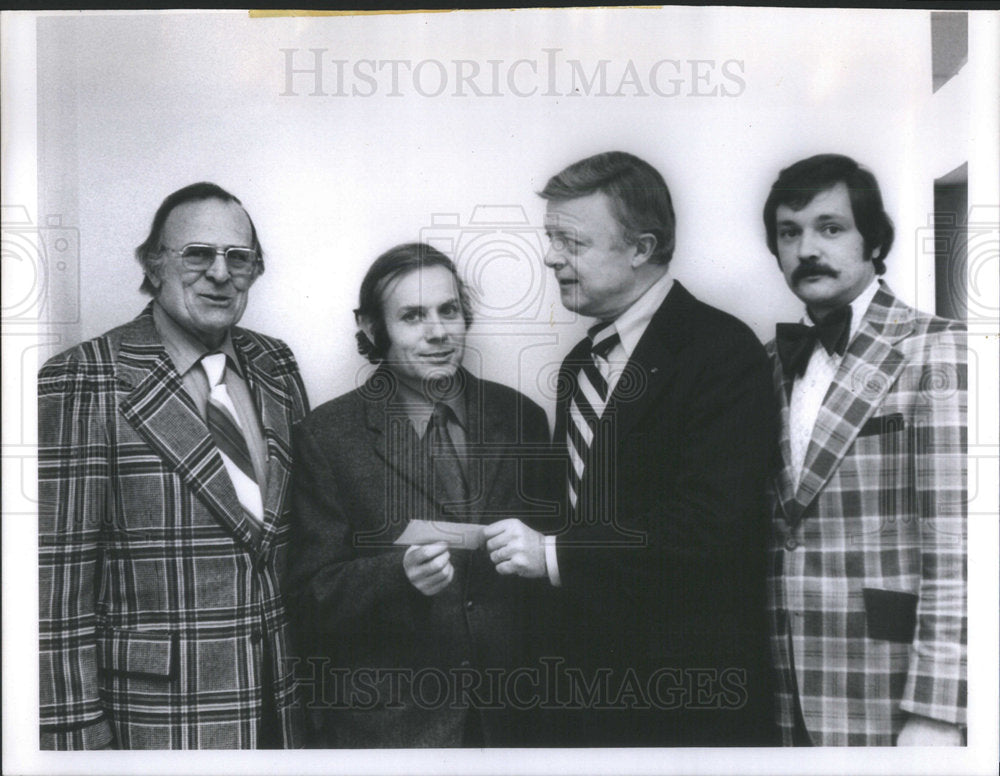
875, 491
878, 425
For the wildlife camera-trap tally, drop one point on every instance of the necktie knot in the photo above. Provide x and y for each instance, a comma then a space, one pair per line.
796, 341
214, 365
603, 338
439, 415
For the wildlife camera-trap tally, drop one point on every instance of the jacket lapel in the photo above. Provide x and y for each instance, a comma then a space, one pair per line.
393, 439
647, 373
274, 404
486, 430
653, 362
392, 436
162, 413
566, 385
869, 369
785, 476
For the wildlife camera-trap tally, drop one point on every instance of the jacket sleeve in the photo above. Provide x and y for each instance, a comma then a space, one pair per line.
936, 682
332, 586
73, 472
541, 470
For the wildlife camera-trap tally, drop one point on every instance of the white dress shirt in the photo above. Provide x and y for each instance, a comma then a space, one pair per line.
809, 390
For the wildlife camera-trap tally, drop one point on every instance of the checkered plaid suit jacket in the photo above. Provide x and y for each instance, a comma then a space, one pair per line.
868, 580
158, 602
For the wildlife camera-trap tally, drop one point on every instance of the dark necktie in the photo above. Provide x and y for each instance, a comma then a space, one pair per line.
449, 479
796, 341
588, 404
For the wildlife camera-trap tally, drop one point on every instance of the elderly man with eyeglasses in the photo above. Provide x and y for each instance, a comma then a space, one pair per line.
163, 467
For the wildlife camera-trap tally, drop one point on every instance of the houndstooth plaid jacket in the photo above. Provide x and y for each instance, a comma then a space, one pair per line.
158, 603
867, 594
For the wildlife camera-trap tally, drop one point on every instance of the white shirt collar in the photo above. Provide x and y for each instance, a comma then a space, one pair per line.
632, 323
858, 307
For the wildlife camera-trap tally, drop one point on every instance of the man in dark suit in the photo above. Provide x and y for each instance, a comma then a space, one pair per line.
868, 583
164, 457
666, 420
411, 647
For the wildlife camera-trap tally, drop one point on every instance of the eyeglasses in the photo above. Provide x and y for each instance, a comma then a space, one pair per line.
198, 257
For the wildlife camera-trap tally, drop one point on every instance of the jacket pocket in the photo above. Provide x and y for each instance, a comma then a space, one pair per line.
890, 615
139, 653
883, 424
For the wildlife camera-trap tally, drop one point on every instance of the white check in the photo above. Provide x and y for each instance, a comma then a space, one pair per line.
463, 536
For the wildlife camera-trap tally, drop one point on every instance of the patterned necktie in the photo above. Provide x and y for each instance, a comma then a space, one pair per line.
449, 480
796, 341
588, 404
224, 425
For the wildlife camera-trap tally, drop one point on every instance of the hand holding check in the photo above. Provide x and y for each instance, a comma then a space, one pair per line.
428, 567
515, 548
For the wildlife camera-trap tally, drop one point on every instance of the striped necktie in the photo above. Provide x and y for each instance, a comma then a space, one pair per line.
224, 425
588, 403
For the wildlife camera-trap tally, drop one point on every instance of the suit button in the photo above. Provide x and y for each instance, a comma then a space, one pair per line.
791, 543
469, 604
256, 636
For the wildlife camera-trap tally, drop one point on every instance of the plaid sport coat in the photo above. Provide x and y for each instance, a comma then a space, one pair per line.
161, 623
867, 591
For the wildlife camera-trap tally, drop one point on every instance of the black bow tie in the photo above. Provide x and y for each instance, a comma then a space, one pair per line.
796, 340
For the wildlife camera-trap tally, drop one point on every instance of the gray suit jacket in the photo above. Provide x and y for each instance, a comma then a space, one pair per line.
382, 663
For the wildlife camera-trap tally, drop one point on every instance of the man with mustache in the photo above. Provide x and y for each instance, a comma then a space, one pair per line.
868, 572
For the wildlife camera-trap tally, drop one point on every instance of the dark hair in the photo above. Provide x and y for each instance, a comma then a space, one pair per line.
149, 253
798, 184
395, 263
639, 196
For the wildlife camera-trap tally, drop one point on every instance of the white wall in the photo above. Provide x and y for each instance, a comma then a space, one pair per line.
134, 106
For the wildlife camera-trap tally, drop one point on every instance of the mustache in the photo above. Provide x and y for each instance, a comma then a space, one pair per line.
811, 270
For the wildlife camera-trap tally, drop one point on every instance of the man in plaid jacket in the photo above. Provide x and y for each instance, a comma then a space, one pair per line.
868, 570
162, 509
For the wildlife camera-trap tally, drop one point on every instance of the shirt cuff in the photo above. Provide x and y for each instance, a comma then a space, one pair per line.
551, 563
